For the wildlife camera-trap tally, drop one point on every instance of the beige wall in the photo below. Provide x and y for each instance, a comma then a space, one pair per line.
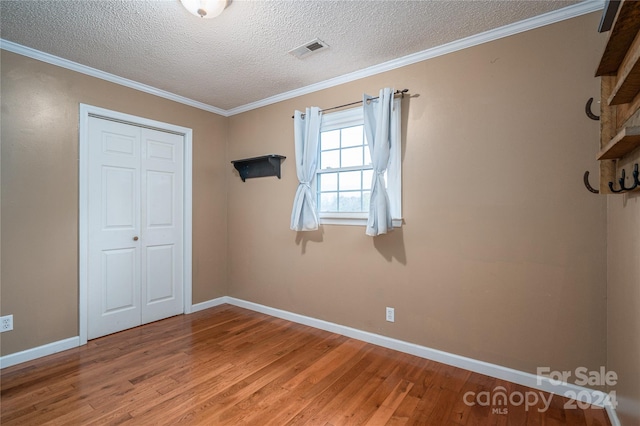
623, 298
40, 193
503, 254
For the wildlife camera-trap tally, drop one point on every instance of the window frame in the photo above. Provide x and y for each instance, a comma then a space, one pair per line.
355, 117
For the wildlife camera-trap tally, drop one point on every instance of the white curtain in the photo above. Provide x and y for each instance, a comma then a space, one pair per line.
377, 126
304, 216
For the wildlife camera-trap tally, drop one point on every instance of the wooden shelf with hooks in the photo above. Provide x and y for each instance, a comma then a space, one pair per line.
619, 70
621, 36
622, 144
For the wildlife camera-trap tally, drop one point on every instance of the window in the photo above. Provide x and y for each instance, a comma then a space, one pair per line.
344, 175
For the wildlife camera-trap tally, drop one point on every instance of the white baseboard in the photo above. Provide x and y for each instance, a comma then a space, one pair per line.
39, 352
209, 304
541, 383
533, 381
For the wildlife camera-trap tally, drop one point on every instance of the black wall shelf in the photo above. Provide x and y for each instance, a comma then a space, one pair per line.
266, 165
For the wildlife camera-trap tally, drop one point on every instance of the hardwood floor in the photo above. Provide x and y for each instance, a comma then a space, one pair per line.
231, 366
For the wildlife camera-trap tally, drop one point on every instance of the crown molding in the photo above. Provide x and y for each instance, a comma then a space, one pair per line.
93, 72
568, 12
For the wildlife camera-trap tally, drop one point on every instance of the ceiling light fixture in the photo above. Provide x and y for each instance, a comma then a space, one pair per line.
205, 8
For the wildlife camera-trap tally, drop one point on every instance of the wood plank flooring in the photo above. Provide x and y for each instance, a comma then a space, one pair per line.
231, 366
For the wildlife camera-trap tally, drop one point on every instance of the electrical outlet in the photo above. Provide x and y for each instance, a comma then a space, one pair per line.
6, 323
391, 315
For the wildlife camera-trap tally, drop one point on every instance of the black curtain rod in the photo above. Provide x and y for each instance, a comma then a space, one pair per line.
397, 92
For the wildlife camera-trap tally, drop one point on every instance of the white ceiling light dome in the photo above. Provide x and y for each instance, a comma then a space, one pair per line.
205, 8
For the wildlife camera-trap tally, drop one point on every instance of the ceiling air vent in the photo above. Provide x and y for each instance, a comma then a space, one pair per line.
308, 48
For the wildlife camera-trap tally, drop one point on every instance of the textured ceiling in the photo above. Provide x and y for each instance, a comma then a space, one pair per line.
241, 56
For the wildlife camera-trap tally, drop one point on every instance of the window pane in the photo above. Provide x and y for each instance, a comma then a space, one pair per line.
351, 157
367, 155
345, 172
328, 181
330, 140
350, 201
330, 160
352, 136
329, 202
367, 176
350, 180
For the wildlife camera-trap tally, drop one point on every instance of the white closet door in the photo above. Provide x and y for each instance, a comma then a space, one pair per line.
135, 226
162, 219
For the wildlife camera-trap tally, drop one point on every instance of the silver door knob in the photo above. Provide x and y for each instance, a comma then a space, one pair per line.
135, 238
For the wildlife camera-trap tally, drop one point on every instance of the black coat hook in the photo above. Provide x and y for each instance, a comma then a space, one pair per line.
621, 181
587, 110
587, 184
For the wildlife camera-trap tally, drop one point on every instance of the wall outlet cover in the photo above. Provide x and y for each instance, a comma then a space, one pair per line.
391, 315
6, 323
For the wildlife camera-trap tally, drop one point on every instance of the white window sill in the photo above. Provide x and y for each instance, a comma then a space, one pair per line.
352, 221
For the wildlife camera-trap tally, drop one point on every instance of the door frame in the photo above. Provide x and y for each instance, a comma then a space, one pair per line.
83, 222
